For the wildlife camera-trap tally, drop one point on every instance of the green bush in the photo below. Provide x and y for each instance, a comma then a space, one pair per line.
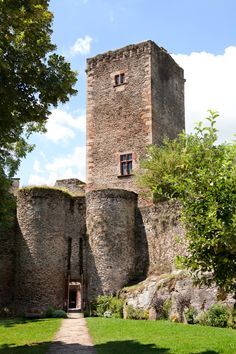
218, 315
106, 305
101, 305
59, 314
116, 307
190, 315
133, 313
202, 318
232, 319
52, 313
49, 312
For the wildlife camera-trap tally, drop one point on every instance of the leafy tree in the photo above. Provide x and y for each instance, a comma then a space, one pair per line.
202, 176
33, 78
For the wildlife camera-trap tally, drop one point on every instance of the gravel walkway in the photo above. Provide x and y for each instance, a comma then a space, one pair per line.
72, 337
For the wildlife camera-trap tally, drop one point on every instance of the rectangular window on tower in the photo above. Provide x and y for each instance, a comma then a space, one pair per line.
119, 79
126, 164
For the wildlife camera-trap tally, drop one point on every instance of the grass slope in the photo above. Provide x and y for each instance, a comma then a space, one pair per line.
115, 336
19, 336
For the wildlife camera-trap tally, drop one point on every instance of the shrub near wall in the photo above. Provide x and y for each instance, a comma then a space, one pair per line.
108, 306
218, 315
133, 313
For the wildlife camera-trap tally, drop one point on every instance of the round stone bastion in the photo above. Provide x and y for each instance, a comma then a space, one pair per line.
110, 219
42, 248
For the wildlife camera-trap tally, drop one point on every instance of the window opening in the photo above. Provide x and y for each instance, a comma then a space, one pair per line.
69, 253
119, 79
126, 164
81, 256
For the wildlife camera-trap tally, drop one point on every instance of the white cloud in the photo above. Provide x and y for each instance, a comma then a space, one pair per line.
210, 84
81, 46
69, 166
61, 125
36, 166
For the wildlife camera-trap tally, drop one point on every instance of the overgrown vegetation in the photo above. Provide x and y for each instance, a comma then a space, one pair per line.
190, 315
202, 175
108, 306
54, 188
217, 315
133, 313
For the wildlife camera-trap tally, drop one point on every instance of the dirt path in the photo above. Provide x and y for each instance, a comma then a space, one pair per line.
72, 337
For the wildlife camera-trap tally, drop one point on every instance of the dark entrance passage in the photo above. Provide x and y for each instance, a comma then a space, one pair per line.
72, 299
75, 295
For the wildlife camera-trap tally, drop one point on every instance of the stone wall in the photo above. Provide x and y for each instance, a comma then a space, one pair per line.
123, 243
41, 249
72, 185
7, 252
47, 219
164, 235
167, 96
110, 220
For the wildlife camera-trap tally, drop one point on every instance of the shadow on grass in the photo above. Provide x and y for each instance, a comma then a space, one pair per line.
38, 348
15, 321
133, 347
116, 347
129, 347
206, 352
125, 347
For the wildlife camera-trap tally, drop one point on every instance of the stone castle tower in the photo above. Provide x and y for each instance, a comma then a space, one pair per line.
135, 97
68, 248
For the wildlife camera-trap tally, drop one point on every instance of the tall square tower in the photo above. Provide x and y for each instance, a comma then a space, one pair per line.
135, 97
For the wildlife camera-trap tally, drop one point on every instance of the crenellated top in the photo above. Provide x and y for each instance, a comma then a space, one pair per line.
132, 50
121, 53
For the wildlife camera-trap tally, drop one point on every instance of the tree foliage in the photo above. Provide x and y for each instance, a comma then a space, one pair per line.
33, 78
202, 176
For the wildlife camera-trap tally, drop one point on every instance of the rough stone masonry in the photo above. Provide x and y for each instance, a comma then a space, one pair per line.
75, 241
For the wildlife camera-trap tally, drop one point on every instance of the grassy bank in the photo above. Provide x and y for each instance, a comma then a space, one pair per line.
19, 336
115, 336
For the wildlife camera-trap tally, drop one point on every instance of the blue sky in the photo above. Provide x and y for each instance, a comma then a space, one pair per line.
199, 34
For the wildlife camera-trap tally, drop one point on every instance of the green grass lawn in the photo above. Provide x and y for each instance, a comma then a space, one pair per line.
116, 336
19, 336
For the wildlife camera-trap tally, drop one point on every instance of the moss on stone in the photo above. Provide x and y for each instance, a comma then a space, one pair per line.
51, 188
